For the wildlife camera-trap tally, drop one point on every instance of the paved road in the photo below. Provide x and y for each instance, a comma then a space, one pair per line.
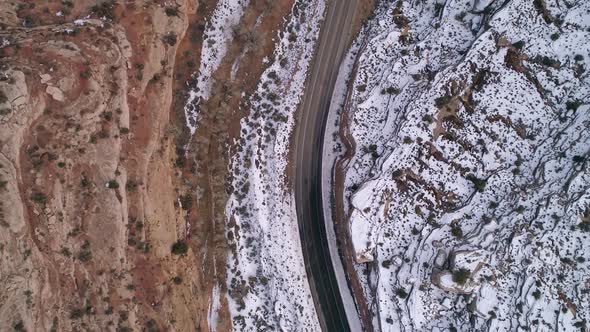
333, 41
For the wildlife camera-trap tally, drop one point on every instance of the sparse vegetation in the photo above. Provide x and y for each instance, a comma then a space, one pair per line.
104, 10
113, 184
519, 45
456, 231
169, 38
3, 97
386, 263
19, 326
573, 105
186, 201
171, 11
177, 280
479, 184
39, 197
578, 159
85, 74
131, 185
460, 276
179, 248
76, 313
401, 293
442, 101
85, 254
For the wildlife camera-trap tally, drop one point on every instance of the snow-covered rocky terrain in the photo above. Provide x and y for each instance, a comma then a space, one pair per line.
468, 191
267, 279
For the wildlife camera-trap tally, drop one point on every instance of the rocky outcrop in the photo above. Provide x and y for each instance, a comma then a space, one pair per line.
89, 190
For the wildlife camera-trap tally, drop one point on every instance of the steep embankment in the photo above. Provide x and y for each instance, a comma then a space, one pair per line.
467, 194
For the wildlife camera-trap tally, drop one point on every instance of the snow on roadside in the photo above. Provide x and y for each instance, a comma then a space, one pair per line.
218, 33
332, 149
267, 280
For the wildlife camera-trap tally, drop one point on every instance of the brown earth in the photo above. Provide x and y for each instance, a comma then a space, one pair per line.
90, 209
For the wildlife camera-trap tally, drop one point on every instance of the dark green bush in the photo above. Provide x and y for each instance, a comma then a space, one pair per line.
401, 293
39, 197
179, 248
113, 184
461, 276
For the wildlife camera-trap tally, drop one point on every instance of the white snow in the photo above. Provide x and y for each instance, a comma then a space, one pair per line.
267, 275
472, 143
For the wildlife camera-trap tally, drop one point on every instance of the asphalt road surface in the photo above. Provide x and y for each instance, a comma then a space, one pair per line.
333, 41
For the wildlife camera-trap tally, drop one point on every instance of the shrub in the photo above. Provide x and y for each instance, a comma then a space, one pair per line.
578, 159
85, 254
392, 91
19, 326
104, 9
573, 105
518, 45
427, 118
461, 276
39, 197
480, 185
169, 38
131, 185
555, 36
171, 11
113, 184
547, 61
456, 231
186, 201
76, 313
401, 293
442, 101
85, 74
537, 294
179, 248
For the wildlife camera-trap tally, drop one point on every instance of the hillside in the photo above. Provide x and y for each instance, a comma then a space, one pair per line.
464, 162
118, 125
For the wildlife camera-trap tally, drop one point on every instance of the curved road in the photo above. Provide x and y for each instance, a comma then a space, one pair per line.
334, 37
